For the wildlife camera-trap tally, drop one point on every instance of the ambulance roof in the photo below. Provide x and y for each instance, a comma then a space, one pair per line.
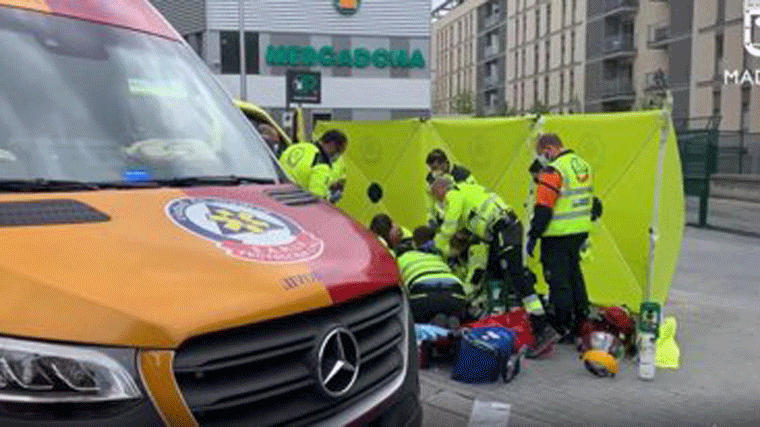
137, 15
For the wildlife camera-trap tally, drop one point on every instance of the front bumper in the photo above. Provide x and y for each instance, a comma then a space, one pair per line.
396, 404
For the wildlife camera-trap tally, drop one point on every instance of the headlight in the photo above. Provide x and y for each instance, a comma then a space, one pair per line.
40, 378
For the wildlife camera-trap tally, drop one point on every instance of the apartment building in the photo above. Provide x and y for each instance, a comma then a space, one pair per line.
492, 57
546, 55
455, 57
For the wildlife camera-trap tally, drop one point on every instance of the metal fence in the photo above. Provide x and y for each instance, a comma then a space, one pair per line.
705, 152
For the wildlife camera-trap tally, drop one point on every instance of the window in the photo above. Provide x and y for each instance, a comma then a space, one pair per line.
745, 98
561, 88
572, 46
572, 12
716, 102
538, 20
548, 18
514, 95
535, 58
517, 31
535, 91
548, 50
572, 82
230, 52
517, 64
522, 95
524, 62
562, 49
564, 11
546, 90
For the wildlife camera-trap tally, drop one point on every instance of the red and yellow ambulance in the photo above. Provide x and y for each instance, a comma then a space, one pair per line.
157, 268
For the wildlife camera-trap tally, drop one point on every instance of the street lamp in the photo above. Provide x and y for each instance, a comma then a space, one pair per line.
243, 71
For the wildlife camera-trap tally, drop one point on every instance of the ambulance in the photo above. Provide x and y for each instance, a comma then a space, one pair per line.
157, 267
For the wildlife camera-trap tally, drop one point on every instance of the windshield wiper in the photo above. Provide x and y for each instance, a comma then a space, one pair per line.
42, 184
191, 181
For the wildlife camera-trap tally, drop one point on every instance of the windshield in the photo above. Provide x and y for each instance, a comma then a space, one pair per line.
87, 102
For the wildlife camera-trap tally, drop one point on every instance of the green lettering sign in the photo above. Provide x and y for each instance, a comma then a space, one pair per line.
380, 58
309, 56
344, 58
362, 58
326, 56
294, 56
277, 56
399, 59
417, 61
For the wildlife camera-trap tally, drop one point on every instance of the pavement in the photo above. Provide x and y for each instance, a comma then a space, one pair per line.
729, 214
715, 298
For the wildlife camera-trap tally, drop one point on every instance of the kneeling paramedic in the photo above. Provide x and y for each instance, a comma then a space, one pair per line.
436, 295
439, 165
490, 219
311, 165
388, 232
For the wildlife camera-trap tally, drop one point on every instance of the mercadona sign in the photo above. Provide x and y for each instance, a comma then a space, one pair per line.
327, 56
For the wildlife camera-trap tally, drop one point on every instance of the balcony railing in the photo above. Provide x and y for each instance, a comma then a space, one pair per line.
620, 43
610, 5
491, 20
659, 34
490, 81
618, 87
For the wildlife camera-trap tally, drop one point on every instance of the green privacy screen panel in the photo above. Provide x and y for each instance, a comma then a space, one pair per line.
622, 148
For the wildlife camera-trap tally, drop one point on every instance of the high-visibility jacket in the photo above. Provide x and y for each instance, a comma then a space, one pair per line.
470, 207
308, 165
417, 265
572, 211
458, 174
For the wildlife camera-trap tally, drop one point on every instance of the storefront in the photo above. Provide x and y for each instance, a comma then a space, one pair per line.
373, 55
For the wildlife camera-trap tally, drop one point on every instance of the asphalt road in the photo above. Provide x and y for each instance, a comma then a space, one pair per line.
715, 298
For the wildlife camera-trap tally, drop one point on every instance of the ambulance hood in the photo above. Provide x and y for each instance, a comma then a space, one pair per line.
152, 267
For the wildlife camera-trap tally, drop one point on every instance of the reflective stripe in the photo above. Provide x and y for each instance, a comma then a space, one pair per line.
572, 215
578, 191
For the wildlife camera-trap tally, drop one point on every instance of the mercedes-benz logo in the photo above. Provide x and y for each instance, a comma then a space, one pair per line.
337, 362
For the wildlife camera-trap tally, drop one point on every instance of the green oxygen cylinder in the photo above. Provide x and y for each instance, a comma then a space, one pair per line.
649, 327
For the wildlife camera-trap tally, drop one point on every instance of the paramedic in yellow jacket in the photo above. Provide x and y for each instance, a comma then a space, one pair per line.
388, 232
490, 219
439, 165
310, 165
436, 295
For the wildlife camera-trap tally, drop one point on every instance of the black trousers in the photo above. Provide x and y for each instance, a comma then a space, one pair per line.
560, 258
428, 297
505, 256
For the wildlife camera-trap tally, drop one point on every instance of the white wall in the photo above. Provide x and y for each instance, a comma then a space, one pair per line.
339, 92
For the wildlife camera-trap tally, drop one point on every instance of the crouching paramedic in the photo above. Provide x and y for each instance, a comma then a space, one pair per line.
388, 232
490, 219
311, 165
439, 165
436, 295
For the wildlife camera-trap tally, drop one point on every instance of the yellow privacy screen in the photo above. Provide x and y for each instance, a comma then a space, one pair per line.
622, 148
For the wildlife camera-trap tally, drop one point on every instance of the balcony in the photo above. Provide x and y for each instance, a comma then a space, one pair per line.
620, 44
491, 21
490, 51
659, 36
620, 88
491, 81
613, 7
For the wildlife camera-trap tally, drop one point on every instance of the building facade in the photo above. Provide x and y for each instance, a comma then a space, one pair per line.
373, 56
607, 55
455, 58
